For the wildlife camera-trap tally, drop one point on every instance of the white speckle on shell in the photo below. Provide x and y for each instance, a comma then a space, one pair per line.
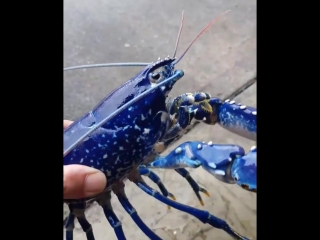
253, 148
230, 159
203, 95
243, 107
232, 102
146, 131
254, 112
164, 117
105, 156
191, 99
228, 100
219, 172
178, 150
212, 165
199, 146
210, 143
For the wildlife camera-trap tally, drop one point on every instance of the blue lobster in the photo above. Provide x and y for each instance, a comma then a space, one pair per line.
125, 133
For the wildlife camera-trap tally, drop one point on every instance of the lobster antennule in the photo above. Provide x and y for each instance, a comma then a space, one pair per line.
179, 35
203, 30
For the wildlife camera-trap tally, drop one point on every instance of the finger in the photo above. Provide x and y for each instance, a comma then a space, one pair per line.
66, 123
81, 181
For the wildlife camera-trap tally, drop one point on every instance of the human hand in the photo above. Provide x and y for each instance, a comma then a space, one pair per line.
81, 181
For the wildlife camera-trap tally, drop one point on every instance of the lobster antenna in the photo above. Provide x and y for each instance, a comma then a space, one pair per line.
206, 28
129, 64
179, 34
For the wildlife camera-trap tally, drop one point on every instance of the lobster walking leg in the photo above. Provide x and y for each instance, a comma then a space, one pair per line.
133, 214
144, 171
203, 216
78, 210
70, 226
104, 202
196, 188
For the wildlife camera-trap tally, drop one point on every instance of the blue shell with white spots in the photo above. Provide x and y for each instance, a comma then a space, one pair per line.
120, 144
239, 119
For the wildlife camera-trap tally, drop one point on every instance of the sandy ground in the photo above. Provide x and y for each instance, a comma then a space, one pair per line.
219, 62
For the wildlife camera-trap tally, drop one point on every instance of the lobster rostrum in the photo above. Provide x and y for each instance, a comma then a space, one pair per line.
125, 133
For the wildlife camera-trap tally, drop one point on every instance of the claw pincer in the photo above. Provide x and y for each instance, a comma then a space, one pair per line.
232, 116
244, 170
227, 162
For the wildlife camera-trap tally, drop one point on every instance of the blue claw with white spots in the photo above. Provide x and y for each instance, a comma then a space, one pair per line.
244, 170
234, 117
201, 107
227, 162
178, 159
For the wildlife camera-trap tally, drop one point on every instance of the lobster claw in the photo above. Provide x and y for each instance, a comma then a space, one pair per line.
228, 163
244, 170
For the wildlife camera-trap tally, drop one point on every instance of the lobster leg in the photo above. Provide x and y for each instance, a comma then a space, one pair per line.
104, 202
70, 226
78, 210
203, 216
196, 188
133, 213
181, 171
144, 171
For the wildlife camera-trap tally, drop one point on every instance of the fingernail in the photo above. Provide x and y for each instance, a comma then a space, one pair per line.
94, 184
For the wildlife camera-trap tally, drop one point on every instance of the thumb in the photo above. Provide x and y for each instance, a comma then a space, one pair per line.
81, 181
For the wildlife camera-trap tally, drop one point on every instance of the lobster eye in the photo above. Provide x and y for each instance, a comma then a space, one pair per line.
155, 76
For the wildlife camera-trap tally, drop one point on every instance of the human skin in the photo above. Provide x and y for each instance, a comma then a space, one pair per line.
81, 181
